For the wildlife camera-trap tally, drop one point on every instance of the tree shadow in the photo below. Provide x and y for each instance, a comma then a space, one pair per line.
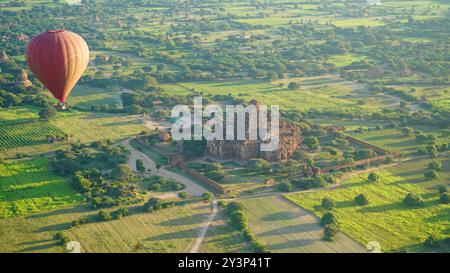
279, 216
188, 233
184, 221
291, 244
302, 228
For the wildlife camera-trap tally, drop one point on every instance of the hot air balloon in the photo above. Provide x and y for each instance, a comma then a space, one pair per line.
58, 59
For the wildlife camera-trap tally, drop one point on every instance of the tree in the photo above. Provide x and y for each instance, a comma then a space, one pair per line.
361, 200
47, 113
140, 167
435, 165
153, 204
124, 174
330, 231
285, 186
239, 219
442, 189
328, 203
329, 218
431, 175
104, 216
293, 86
412, 199
408, 131
444, 198
373, 177
312, 142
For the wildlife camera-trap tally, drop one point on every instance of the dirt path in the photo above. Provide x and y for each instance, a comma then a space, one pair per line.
191, 187
204, 228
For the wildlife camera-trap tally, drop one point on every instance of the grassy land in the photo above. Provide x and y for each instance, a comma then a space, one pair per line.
386, 219
223, 238
170, 230
392, 139
283, 227
27, 186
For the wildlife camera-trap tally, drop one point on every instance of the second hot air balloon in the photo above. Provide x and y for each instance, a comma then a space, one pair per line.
58, 59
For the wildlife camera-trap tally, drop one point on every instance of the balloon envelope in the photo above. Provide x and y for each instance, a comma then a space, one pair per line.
58, 59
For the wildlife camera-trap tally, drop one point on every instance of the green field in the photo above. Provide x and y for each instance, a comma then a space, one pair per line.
283, 227
22, 132
19, 134
386, 219
28, 186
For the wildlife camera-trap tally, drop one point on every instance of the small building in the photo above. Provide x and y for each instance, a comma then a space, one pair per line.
22, 79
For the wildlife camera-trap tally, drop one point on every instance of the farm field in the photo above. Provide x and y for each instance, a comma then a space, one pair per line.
24, 133
385, 219
171, 230
28, 186
19, 134
283, 227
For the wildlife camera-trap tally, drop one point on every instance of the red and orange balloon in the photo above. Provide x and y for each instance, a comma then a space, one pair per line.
58, 59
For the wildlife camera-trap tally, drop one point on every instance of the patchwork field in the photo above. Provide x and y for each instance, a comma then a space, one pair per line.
28, 186
385, 219
283, 227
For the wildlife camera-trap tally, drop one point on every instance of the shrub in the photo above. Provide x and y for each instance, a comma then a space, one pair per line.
104, 216
329, 218
207, 196
412, 199
78, 222
62, 238
222, 204
330, 231
285, 186
361, 200
153, 204
445, 198
373, 177
121, 212
442, 189
328, 203
431, 175
183, 195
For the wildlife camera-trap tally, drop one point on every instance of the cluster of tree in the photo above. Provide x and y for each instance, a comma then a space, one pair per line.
239, 220
98, 172
158, 183
156, 204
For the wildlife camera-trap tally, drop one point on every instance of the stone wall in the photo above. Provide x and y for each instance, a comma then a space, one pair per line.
209, 183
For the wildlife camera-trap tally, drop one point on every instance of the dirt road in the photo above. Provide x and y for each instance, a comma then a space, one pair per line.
191, 187
204, 228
